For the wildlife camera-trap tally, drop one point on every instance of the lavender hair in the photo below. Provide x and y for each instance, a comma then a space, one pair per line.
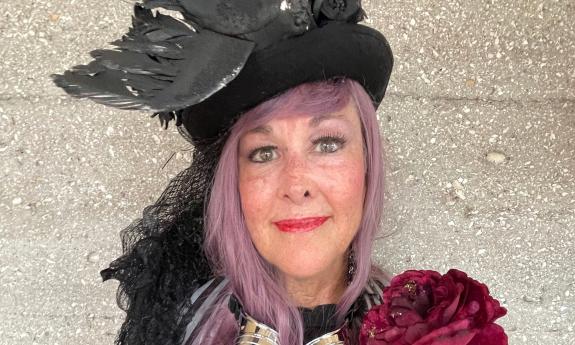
228, 245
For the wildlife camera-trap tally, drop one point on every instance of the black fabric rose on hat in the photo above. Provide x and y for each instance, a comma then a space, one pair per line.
341, 10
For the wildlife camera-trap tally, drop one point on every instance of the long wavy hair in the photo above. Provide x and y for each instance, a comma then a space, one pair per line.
228, 245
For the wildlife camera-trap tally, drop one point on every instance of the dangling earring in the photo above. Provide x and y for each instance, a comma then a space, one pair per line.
350, 266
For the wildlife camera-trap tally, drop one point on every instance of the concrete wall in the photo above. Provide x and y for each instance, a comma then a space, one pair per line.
479, 126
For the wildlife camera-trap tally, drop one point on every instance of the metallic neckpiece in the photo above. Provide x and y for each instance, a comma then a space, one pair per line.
253, 332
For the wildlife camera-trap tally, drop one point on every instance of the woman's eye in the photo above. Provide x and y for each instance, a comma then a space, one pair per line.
328, 144
263, 154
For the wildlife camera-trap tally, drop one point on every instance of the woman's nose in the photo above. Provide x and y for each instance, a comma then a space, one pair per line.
297, 186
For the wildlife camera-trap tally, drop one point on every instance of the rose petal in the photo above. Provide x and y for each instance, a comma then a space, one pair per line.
415, 332
475, 292
456, 333
405, 317
492, 334
452, 308
392, 334
447, 299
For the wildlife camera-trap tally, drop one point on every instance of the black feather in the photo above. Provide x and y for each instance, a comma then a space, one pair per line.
145, 84
133, 62
89, 69
104, 88
161, 64
164, 49
157, 28
173, 5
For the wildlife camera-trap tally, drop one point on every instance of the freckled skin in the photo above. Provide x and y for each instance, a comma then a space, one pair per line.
275, 190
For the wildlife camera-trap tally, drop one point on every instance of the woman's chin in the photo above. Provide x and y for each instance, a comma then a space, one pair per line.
306, 269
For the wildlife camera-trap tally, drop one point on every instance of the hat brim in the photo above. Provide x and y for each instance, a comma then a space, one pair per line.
337, 49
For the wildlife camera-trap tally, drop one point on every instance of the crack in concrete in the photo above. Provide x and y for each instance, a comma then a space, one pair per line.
481, 99
398, 95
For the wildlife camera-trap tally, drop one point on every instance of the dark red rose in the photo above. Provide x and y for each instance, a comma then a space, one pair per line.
426, 308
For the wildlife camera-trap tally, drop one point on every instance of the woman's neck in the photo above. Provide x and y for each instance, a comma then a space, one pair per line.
324, 288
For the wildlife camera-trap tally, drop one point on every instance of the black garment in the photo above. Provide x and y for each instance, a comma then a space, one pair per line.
318, 321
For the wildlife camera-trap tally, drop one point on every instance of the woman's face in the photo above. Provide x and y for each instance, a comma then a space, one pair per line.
302, 184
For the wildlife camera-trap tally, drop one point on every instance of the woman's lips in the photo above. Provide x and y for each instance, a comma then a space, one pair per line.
301, 224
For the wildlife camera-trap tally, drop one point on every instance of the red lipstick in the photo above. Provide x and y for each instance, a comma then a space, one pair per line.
301, 224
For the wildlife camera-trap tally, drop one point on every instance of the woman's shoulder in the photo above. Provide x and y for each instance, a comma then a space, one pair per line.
209, 290
201, 305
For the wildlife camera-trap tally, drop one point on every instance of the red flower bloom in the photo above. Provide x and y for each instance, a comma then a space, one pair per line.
426, 308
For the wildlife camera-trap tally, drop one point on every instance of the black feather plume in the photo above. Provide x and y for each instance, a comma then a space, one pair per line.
161, 64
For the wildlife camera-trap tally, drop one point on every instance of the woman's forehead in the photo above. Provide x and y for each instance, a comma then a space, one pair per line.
313, 122
315, 117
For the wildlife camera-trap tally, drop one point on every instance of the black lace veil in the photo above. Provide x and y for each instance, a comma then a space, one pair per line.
163, 261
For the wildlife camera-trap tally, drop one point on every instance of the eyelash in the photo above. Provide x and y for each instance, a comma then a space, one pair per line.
332, 137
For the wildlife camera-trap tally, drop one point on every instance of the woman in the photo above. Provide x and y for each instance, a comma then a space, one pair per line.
267, 237
312, 152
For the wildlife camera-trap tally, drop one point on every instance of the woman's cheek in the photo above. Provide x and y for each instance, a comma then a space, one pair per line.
257, 193
254, 194
345, 179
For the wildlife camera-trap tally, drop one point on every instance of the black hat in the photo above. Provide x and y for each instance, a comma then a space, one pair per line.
219, 58
204, 63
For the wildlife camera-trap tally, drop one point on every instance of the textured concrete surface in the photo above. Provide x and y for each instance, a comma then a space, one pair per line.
479, 125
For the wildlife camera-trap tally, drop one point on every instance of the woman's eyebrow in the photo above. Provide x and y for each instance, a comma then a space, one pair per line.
263, 129
314, 122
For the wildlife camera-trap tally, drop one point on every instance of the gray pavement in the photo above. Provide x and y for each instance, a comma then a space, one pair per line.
479, 126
